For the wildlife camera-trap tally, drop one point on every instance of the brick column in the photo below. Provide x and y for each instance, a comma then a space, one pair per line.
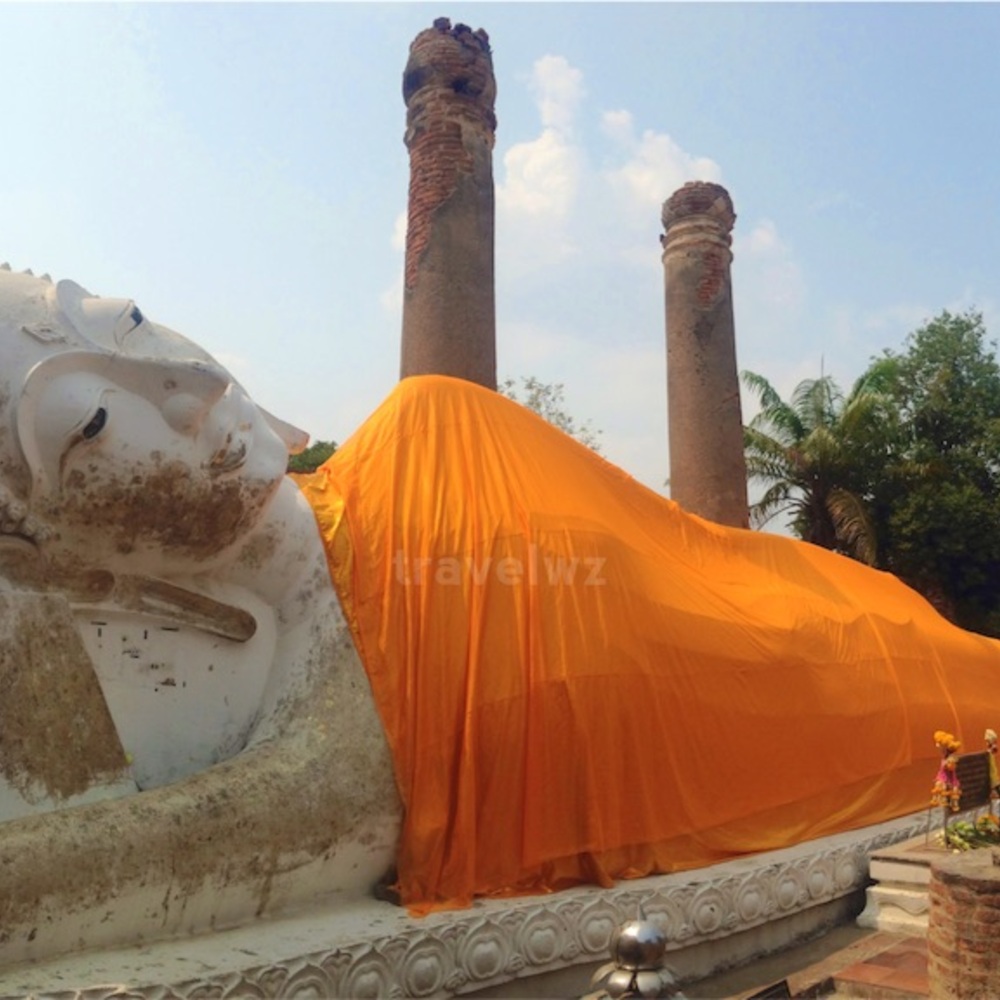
707, 467
449, 320
963, 935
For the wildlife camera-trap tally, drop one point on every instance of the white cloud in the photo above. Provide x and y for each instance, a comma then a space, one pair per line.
772, 275
398, 239
764, 239
618, 126
558, 89
542, 221
534, 205
391, 299
541, 178
656, 166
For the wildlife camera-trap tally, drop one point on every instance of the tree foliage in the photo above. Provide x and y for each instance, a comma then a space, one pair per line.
812, 455
546, 399
936, 505
903, 472
312, 457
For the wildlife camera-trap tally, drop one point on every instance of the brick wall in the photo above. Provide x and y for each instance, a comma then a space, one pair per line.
963, 939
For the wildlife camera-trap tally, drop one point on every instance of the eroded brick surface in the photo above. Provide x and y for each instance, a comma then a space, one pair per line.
449, 89
964, 928
707, 464
700, 198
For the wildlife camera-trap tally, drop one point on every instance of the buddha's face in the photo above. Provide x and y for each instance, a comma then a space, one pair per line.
142, 453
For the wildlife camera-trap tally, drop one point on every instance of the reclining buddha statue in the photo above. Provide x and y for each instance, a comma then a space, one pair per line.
467, 651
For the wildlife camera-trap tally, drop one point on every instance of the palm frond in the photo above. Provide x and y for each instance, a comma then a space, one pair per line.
776, 500
810, 453
853, 525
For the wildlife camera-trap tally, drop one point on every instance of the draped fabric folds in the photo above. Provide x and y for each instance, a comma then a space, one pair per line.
582, 682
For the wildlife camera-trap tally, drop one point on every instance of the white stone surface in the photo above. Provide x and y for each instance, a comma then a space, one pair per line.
182, 699
134, 456
141, 489
898, 902
375, 949
896, 910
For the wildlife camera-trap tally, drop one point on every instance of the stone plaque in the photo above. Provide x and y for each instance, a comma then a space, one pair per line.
973, 773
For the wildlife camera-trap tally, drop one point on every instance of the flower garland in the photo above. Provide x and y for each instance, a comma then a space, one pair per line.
947, 789
991, 747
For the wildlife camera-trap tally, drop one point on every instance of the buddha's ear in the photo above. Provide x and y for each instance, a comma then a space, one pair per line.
295, 439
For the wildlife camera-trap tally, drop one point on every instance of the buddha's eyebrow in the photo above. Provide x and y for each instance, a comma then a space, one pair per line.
45, 333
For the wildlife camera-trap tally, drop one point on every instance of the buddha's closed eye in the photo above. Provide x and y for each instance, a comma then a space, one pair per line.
96, 424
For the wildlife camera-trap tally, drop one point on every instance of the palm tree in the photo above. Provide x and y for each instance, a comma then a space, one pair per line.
815, 456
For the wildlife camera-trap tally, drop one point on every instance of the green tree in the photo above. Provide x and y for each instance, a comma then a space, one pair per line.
312, 457
936, 504
813, 457
546, 399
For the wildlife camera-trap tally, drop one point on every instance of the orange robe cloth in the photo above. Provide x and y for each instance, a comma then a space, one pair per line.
582, 682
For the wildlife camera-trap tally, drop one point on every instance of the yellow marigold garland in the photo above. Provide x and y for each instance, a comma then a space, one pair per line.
947, 790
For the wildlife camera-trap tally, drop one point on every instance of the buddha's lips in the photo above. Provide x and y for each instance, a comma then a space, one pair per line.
234, 412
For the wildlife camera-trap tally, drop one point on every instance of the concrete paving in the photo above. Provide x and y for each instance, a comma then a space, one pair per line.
848, 961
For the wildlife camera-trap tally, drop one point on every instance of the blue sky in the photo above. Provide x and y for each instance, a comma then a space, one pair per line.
239, 170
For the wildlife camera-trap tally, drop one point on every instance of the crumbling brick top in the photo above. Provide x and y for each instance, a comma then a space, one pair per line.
700, 198
453, 63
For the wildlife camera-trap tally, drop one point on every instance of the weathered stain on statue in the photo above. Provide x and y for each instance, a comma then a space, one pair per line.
57, 738
142, 509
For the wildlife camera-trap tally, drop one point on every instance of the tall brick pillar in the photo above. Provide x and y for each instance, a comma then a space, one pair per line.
707, 468
449, 314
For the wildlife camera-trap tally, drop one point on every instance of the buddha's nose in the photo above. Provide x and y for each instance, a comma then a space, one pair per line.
190, 390
183, 391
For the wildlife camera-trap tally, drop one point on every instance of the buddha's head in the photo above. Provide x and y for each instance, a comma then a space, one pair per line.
123, 445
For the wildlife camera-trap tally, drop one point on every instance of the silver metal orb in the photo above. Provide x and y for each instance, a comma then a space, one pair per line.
619, 983
653, 984
639, 945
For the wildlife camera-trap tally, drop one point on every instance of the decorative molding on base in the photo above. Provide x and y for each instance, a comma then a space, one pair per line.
896, 910
382, 952
898, 900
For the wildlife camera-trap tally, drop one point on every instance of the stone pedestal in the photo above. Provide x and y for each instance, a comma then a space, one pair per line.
713, 918
898, 900
707, 467
449, 315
